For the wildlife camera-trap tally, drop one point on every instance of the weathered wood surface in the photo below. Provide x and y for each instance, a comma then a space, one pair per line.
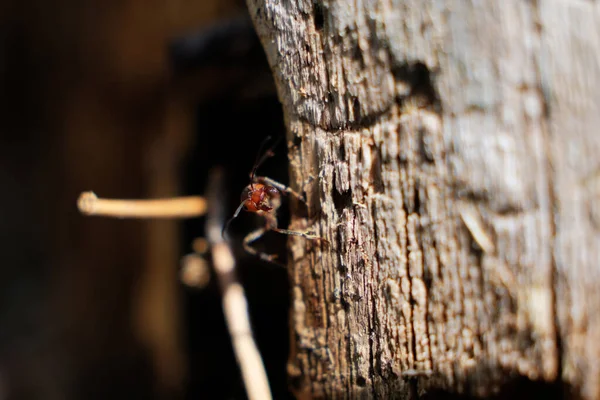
449, 153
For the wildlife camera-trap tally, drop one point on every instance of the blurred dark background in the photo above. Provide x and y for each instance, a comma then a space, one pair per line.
131, 99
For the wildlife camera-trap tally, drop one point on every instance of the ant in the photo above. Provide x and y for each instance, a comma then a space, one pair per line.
263, 197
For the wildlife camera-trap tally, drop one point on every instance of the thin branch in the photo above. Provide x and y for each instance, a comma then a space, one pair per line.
235, 305
234, 300
178, 207
474, 223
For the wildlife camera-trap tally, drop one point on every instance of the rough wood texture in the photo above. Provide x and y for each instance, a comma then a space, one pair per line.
448, 153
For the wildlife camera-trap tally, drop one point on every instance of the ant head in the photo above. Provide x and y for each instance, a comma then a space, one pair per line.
260, 197
257, 197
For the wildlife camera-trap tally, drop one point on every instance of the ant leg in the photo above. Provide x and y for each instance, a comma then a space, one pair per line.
279, 186
252, 237
271, 225
305, 235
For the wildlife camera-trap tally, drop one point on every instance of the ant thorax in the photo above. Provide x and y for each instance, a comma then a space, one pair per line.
259, 197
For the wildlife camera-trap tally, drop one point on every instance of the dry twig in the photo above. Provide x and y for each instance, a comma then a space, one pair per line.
234, 300
235, 306
178, 207
474, 223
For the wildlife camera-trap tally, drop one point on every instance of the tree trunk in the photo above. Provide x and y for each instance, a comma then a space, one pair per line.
448, 152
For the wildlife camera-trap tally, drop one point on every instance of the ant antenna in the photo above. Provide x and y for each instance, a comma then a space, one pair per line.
237, 212
265, 156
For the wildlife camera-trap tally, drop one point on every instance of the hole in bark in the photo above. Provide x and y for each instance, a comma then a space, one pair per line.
319, 16
412, 201
344, 303
341, 200
427, 279
376, 173
330, 99
356, 108
418, 76
361, 381
358, 56
297, 141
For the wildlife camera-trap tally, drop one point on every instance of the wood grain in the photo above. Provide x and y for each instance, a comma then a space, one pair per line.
447, 151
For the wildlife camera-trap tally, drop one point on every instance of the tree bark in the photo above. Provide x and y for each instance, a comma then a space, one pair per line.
448, 152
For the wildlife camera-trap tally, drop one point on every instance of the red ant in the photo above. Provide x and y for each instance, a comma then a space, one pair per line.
263, 197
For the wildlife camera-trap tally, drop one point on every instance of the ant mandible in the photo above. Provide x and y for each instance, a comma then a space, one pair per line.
263, 197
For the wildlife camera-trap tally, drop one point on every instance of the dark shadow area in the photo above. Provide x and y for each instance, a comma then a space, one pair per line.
86, 91
234, 145
231, 125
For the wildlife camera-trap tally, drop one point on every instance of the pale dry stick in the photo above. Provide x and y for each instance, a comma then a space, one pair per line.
474, 223
177, 207
500, 272
235, 305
